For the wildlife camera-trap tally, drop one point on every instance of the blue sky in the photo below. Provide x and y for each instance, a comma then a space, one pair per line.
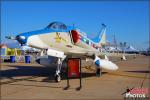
128, 20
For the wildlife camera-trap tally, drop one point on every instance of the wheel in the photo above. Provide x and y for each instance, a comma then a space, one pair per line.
57, 78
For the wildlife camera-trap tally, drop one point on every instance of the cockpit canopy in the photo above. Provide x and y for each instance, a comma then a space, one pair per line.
57, 26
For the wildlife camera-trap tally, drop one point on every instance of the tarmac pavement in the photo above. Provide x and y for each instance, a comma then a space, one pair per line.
33, 81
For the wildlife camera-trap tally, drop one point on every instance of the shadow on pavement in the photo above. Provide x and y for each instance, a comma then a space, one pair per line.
139, 71
47, 72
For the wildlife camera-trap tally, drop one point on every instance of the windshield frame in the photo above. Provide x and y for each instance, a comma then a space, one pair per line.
57, 26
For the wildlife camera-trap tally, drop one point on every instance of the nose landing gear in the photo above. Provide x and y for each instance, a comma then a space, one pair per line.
99, 72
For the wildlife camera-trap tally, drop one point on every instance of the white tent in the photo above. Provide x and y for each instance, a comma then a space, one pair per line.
131, 49
148, 49
114, 49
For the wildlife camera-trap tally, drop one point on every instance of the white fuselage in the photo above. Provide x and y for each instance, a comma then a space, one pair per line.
60, 41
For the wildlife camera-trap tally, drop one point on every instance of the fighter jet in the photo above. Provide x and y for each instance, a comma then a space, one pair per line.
58, 42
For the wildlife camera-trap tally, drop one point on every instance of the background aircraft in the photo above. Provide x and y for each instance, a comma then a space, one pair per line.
58, 42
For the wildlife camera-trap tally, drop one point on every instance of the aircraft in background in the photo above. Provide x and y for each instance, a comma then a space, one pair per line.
58, 42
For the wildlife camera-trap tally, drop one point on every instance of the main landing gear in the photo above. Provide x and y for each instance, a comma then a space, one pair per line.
57, 75
98, 72
57, 78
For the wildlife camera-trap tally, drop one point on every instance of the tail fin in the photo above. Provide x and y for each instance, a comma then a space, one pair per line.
101, 38
103, 35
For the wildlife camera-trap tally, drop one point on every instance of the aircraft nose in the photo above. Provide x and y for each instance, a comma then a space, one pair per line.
21, 39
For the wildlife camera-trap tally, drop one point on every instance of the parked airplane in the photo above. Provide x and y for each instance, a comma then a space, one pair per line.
59, 42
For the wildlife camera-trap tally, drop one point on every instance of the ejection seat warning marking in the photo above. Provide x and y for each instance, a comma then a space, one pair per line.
58, 38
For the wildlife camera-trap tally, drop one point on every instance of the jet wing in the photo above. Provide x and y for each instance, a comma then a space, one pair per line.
77, 51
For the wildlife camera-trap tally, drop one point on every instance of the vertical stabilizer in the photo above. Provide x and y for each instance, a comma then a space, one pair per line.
101, 38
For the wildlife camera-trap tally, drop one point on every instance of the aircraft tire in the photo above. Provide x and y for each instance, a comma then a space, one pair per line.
57, 78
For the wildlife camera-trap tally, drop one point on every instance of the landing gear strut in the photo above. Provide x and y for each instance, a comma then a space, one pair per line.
99, 72
57, 75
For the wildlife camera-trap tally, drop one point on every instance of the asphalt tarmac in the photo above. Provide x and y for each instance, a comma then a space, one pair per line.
33, 81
